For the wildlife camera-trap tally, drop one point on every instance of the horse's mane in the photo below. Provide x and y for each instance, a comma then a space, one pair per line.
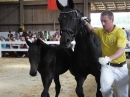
88, 40
42, 44
47, 46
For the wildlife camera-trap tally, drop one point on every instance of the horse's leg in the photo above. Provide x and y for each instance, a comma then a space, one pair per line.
97, 77
58, 86
46, 80
79, 89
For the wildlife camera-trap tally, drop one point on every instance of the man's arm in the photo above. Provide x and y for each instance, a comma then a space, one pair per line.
87, 23
118, 53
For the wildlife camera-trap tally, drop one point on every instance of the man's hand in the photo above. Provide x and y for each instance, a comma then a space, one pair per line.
104, 60
86, 20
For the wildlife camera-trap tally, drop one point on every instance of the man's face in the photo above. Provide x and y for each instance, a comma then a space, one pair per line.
107, 23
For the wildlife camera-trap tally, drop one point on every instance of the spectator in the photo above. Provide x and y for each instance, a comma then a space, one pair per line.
22, 53
4, 53
31, 39
127, 34
45, 35
3, 40
10, 35
41, 35
49, 36
37, 34
30, 34
128, 47
57, 35
24, 33
16, 34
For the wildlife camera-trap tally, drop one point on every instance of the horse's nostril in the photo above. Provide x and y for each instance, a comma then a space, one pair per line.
68, 40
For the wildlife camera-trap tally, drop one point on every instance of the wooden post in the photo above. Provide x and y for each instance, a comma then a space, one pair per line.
21, 14
87, 8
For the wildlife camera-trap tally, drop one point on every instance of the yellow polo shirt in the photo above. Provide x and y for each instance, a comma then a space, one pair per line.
111, 41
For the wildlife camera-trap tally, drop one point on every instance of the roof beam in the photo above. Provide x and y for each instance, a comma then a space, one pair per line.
94, 6
103, 4
106, 0
114, 5
44, 2
99, 11
125, 5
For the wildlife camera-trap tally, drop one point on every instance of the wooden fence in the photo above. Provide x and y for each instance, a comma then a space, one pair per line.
26, 49
21, 49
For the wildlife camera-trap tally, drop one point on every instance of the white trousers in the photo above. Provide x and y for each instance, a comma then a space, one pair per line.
119, 75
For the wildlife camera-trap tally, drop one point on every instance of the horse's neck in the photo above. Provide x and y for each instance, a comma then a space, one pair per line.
81, 36
82, 39
45, 47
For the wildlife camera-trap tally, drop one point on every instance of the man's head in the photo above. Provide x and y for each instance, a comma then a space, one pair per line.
107, 19
9, 31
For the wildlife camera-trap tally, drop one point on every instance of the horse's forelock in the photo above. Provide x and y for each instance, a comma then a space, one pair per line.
66, 9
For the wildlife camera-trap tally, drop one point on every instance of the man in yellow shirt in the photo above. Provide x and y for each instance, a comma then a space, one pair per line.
113, 60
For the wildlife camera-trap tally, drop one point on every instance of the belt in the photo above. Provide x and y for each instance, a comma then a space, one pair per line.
117, 65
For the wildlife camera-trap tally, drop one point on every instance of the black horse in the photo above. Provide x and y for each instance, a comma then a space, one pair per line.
50, 62
87, 49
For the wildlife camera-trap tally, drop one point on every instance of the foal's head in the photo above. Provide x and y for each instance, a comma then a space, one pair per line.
34, 52
70, 22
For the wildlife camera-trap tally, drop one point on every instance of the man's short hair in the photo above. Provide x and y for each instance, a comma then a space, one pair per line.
107, 12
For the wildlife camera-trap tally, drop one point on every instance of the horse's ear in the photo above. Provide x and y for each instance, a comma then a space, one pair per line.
28, 42
71, 4
60, 6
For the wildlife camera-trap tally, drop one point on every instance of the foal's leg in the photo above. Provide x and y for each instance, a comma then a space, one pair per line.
79, 89
58, 86
46, 79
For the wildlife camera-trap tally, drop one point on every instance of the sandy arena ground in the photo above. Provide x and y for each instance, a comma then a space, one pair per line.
15, 81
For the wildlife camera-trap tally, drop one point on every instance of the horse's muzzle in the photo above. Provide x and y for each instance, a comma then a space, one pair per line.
33, 73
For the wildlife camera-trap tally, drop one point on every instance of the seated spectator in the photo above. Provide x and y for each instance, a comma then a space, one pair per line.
22, 53
45, 35
4, 53
15, 46
3, 40
7, 45
128, 47
24, 34
57, 34
127, 34
49, 36
16, 34
10, 35
29, 33
31, 39
37, 34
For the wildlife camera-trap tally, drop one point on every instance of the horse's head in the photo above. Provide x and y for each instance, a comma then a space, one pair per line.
34, 52
70, 22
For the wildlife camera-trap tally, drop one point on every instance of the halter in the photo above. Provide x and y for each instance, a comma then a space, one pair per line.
68, 30
71, 11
